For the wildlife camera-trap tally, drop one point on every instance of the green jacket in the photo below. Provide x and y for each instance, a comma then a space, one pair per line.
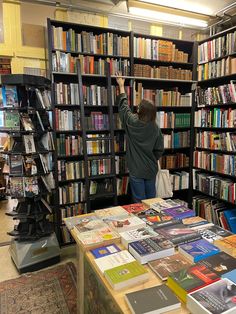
145, 143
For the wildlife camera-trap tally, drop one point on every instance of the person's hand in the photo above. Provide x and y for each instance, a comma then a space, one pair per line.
120, 81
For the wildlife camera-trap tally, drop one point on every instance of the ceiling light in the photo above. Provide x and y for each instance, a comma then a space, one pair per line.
182, 5
156, 16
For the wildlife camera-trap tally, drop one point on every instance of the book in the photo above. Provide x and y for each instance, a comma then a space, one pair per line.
179, 212
220, 263
135, 208
16, 164
195, 222
29, 144
213, 233
9, 96
231, 275
127, 275
82, 220
12, 120
105, 250
31, 187
216, 298
159, 206
151, 248
230, 216
125, 223
157, 220
136, 234
148, 202
155, 300
114, 260
27, 122
190, 279
109, 212
179, 233
169, 264
16, 187
197, 250
228, 245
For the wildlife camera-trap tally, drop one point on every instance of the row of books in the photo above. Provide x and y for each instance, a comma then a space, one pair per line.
70, 170
157, 49
97, 121
162, 72
104, 186
215, 95
72, 193
98, 147
69, 145
67, 120
72, 210
215, 186
66, 94
216, 141
99, 166
88, 42
163, 98
178, 160
177, 139
225, 164
172, 120
179, 180
122, 185
5, 66
215, 69
95, 95
217, 47
215, 211
216, 117
89, 65
121, 165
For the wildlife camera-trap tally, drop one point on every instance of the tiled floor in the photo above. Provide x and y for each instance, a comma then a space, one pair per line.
6, 222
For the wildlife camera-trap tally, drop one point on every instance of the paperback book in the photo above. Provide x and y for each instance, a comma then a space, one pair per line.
165, 204
86, 222
217, 298
195, 222
180, 212
197, 250
214, 233
29, 144
27, 122
105, 250
136, 234
165, 266
110, 212
150, 249
12, 120
31, 187
228, 245
135, 208
125, 223
9, 96
16, 164
155, 300
16, 187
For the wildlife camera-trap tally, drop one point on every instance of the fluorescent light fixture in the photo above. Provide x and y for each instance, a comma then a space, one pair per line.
183, 5
156, 16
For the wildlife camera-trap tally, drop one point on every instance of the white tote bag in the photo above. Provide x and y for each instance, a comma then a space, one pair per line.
163, 184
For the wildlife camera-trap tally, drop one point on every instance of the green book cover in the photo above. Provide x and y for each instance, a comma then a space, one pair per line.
12, 120
125, 272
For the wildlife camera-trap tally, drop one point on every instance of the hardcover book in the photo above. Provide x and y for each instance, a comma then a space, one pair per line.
220, 263
169, 264
190, 279
127, 275
214, 233
105, 250
217, 298
228, 245
136, 234
151, 248
155, 300
197, 250
125, 223
114, 260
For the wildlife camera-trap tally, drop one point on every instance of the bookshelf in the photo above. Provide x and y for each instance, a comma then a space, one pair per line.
214, 123
102, 52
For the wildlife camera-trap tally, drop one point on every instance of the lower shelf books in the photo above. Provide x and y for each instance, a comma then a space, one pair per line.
155, 300
217, 298
122, 185
179, 180
127, 275
190, 279
165, 266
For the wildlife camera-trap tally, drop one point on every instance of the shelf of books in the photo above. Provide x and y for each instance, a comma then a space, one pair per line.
25, 114
214, 121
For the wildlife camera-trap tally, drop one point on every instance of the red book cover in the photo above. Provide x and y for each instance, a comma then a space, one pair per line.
135, 208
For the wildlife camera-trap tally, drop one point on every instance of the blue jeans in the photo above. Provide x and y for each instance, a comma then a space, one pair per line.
142, 188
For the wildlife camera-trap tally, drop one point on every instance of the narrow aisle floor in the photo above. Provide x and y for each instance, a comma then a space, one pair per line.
6, 222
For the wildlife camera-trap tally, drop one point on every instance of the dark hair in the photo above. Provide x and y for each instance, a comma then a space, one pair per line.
146, 111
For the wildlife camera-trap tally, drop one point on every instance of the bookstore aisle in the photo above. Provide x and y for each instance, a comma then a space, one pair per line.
6, 222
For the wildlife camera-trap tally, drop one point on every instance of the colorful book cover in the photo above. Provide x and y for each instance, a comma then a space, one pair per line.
135, 208
227, 244
180, 212
213, 233
9, 96
31, 187
190, 279
146, 212
198, 250
16, 164
105, 250
169, 264
195, 222
27, 122
165, 204
230, 216
220, 263
16, 187
136, 234
216, 298
12, 120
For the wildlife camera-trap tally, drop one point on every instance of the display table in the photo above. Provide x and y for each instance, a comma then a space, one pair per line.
94, 294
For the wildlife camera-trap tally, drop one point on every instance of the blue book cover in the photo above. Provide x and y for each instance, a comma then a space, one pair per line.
230, 216
9, 96
198, 250
105, 250
231, 275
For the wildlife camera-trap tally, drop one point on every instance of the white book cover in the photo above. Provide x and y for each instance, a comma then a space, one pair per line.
136, 234
125, 223
114, 260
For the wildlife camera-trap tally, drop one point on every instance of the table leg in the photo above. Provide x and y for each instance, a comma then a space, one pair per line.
80, 280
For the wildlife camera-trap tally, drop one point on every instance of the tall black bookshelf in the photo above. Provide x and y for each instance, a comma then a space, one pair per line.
214, 174
98, 58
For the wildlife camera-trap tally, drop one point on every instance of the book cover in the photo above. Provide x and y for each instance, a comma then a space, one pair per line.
16, 187
136, 234
231, 275
114, 260
16, 164
105, 250
109, 212
31, 187
12, 120
195, 222
228, 245
148, 202
2, 124
159, 299
213, 233
180, 212
169, 264
190, 279
27, 122
126, 275
135, 208
220, 263
89, 223
217, 298
125, 223
9, 96
198, 250
29, 144
165, 204
230, 216
71, 222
